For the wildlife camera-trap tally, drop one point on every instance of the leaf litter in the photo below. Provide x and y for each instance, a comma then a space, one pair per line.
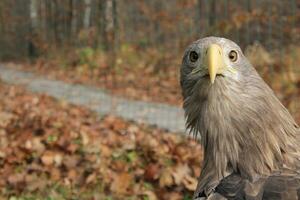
53, 150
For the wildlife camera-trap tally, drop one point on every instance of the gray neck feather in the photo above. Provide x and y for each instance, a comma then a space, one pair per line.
243, 127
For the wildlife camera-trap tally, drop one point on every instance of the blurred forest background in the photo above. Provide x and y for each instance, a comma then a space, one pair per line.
99, 41
130, 48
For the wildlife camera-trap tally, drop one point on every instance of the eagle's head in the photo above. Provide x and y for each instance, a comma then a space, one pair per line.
217, 81
213, 59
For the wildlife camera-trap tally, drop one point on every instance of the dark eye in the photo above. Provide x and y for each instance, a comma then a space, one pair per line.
194, 56
233, 55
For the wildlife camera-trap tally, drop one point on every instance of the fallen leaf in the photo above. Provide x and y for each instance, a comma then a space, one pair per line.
180, 172
71, 161
16, 179
55, 174
34, 183
150, 195
6, 118
91, 178
72, 175
121, 183
58, 158
173, 196
166, 178
48, 158
152, 172
190, 183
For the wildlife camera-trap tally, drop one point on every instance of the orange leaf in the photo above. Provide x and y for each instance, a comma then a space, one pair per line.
121, 183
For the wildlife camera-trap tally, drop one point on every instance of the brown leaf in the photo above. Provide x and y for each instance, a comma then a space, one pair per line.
182, 152
166, 178
85, 138
152, 172
34, 183
71, 161
180, 172
36, 145
119, 165
16, 179
55, 174
52, 158
121, 183
72, 174
105, 151
72, 148
115, 124
48, 158
58, 158
91, 178
133, 129
6, 118
173, 196
190, 183
151, 195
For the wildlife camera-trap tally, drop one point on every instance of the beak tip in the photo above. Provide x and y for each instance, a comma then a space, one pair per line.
212, 77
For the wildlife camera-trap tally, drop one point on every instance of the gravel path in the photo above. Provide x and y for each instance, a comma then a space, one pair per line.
162, 115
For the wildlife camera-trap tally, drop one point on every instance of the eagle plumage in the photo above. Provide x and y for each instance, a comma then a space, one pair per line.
251, 142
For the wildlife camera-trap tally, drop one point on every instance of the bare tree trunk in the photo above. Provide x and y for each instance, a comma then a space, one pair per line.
50, 22
87, 14
43, 19
34, 14
249, 9
198, 17
58, 22
69, 20
116, 25
157, 26
22, 12
32, 48
3, 45
74, 18
212, 13
102, 25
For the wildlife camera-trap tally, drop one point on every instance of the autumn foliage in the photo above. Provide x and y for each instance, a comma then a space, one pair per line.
52, 150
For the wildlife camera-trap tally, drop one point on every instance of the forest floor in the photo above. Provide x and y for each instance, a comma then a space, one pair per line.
102, 102
52, 150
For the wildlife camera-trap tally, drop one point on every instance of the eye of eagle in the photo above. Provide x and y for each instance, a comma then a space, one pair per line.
193, 56
233, 55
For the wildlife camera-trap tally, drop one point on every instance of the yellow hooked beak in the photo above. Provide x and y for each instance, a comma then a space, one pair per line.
214, 61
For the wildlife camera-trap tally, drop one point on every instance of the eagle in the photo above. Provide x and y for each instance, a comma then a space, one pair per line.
251, 143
